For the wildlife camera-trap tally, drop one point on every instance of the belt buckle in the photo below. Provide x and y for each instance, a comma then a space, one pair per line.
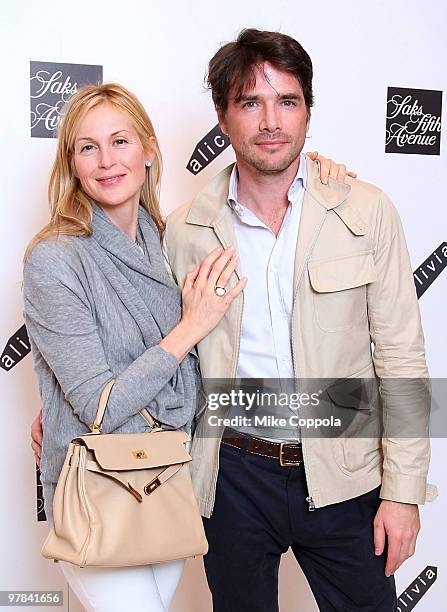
283, 462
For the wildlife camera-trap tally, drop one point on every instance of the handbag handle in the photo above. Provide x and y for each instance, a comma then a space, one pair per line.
96, 426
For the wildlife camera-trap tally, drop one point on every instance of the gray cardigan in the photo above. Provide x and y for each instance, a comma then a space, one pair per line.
96, 309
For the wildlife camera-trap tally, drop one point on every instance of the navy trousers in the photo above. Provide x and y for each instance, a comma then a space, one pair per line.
260, 511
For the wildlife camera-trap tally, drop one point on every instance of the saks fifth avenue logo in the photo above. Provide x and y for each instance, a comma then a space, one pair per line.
51, 86
413, 121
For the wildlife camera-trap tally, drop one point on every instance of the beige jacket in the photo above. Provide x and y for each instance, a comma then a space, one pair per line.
354, 287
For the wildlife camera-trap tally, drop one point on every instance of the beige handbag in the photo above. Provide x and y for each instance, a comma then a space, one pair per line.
125, 499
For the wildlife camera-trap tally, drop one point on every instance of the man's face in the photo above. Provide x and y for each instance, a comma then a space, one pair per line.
268, 126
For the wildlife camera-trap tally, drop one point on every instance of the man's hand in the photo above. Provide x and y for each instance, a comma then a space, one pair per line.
36, 436
400, 522
330, 168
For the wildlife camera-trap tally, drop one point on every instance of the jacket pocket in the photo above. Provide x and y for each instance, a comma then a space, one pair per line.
339, 290
357, 457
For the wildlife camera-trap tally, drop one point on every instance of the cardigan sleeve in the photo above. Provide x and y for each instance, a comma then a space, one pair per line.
61, 325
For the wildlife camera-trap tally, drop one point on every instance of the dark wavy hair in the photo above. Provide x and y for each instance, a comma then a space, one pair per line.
232, 68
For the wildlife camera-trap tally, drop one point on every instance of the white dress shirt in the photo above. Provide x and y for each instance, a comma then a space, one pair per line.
268, 263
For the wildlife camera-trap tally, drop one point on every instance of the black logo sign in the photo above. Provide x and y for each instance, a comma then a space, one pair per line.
17, 347
413, 121
41, 516
207, 149
51, 86
414, 591
430, 269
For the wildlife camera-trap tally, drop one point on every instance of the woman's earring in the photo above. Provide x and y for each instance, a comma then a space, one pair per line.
148, 164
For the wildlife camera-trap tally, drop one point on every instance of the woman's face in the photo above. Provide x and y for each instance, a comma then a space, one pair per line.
109, 158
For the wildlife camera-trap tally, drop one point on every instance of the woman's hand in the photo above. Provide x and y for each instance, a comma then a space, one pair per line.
202, 308
330, 168
36, 436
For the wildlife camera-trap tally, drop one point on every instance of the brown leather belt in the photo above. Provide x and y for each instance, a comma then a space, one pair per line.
289, 454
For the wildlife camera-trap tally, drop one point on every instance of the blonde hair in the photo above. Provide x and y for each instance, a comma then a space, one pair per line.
70, 207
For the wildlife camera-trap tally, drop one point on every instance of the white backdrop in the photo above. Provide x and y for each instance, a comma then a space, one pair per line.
160, 51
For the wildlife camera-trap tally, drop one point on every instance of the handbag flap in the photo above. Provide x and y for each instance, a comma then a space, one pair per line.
344, 273
137, 451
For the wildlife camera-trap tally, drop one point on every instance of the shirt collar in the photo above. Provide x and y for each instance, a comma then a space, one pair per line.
298, 184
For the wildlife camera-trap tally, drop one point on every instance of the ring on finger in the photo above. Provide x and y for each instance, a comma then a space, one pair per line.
219, 291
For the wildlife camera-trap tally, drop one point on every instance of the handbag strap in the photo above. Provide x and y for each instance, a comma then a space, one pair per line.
155, 425
96, 426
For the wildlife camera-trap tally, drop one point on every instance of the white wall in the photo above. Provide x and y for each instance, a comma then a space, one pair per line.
160, 50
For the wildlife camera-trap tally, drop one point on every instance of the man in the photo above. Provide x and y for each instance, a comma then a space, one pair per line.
328, 276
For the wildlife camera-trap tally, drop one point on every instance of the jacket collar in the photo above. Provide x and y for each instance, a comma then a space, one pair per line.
334, 196
331, 195
210, 204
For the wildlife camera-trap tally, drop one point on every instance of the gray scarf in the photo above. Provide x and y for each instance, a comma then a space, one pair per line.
152, 298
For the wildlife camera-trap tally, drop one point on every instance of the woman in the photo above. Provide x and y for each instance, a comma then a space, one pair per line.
99, 304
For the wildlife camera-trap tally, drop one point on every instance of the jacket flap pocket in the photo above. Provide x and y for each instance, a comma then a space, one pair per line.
343, 273
138, 451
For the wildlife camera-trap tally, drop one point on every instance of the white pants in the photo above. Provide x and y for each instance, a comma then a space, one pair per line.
143, 588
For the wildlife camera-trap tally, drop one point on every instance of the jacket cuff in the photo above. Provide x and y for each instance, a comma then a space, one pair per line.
407, 489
